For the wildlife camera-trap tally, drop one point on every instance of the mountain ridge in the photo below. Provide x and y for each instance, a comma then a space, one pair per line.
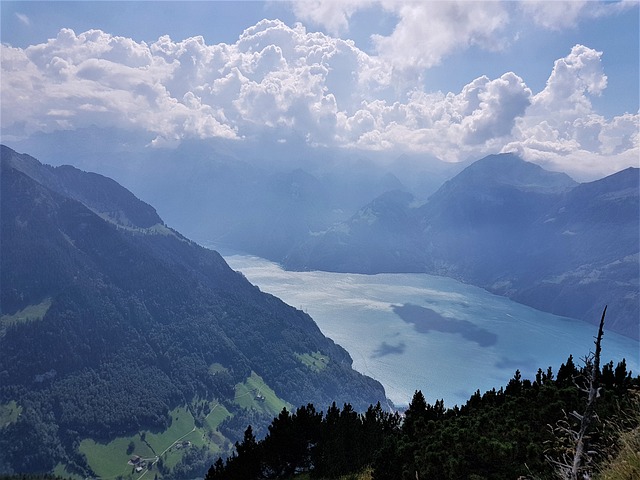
508, 226
134, 321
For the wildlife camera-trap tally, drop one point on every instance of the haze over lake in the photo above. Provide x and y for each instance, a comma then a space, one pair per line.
422, 332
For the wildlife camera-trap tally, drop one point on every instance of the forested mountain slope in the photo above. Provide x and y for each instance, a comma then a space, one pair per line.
110, 320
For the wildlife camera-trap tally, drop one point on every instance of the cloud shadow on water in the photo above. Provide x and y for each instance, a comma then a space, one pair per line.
425, 320
386, 349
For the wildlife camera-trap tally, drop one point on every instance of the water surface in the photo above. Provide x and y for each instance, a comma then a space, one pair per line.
422, 332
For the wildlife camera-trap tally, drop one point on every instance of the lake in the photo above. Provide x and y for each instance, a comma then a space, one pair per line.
423, 332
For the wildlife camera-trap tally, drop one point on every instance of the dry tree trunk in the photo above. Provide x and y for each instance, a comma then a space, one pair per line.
574, 463
589, 416
593, 377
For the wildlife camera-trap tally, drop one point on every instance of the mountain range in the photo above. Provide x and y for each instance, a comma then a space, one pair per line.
506, 225
118, 333
262, 197
501, 223
115, 327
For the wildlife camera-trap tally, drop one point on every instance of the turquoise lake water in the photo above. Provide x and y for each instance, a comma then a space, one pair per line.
423, 332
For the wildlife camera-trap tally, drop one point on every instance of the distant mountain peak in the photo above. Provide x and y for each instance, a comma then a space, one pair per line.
507, 225
509, 169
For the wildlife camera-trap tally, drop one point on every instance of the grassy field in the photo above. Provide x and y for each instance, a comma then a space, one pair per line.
110, 460
365, 475
217, 368
29, 314
182, 424
216, 416
61, 472
253, 393
315, 361
9, 413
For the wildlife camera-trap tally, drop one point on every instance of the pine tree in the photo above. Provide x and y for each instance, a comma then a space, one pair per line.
415, 414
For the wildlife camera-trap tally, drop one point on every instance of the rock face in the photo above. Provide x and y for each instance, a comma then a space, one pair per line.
511, 227
110, 319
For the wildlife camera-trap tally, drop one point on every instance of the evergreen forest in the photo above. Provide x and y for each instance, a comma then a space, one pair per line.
521, 431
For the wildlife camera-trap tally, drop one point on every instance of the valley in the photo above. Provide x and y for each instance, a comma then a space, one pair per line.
135, 350
435, 334
319, 240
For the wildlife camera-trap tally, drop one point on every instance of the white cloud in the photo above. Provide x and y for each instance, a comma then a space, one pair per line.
500, 103
425, 32
561, 130
274, 76
450, 126
293, 82
429, 31
333, 15
554, 15
103, 80
559, 15
23, 19
573, 77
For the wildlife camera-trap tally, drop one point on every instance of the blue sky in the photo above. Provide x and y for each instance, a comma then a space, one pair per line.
557, 82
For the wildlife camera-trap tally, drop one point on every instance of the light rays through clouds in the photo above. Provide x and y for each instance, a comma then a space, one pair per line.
296, 80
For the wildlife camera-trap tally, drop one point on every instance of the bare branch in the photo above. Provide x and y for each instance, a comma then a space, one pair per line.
574, 464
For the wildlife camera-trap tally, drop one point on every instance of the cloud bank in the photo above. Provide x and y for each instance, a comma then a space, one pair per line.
289, 81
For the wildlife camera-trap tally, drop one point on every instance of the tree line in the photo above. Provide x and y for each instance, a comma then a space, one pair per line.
501, 434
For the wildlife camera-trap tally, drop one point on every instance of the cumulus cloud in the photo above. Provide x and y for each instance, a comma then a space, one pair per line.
274, 76
429, 31
561, 130
425, 32
289, 81
572, 80
448, 125
96, 78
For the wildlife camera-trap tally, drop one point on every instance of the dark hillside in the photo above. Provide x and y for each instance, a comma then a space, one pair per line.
97, 192
110, 320
590, 242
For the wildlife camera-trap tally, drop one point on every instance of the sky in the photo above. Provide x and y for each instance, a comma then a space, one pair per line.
556, 82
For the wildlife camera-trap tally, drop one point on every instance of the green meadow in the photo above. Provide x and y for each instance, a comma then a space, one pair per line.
110, 460
315, 361
254, 394
30, 313
9, 413
167, 448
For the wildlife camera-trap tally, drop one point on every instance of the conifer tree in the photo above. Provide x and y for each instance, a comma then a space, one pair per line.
415, 414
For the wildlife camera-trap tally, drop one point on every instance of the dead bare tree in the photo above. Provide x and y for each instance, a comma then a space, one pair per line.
576, 459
